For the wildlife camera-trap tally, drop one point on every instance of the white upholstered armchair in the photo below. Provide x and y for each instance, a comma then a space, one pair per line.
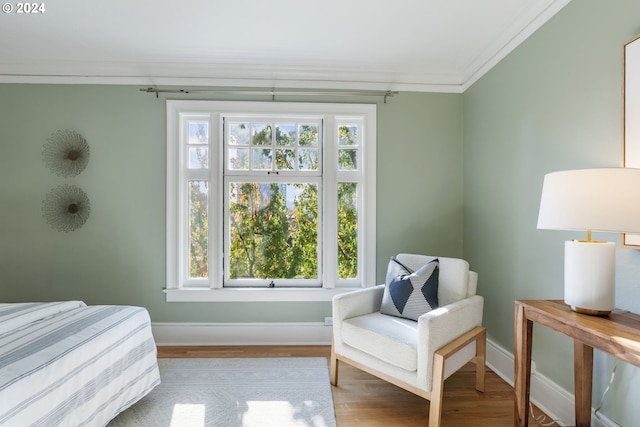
415, 355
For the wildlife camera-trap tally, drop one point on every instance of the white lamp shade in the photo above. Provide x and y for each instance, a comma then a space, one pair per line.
606, 199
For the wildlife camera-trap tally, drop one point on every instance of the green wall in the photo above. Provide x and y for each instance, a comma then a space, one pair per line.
554, 103
118, 257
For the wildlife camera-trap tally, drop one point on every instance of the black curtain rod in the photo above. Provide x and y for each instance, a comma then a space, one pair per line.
276, 92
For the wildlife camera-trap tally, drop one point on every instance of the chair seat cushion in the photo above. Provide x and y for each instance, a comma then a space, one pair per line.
391, 339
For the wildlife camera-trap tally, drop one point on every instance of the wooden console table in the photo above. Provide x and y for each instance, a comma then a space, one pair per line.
617, 334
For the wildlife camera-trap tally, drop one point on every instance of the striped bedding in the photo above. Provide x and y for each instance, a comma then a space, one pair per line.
68, 364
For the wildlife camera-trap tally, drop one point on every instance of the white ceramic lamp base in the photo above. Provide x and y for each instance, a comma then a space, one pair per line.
589, 276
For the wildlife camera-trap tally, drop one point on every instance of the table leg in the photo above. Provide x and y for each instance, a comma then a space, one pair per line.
522, 380
583, 375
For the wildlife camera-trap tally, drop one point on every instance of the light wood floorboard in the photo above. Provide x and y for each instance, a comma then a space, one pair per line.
365, 401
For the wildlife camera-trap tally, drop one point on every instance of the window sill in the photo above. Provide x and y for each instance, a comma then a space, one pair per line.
254, 294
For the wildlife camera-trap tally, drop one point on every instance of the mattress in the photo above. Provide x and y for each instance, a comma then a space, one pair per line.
69, 364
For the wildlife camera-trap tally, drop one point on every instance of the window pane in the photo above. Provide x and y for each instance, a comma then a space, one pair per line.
238, 159
347, 159
285, 159
238, 134
285, 134
198, 157
273, 230
198, 132
308, 135
348, 135
308, 159
198, 229
347, 230
261, 134
261, 158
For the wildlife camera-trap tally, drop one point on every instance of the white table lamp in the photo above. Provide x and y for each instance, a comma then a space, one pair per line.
606, 200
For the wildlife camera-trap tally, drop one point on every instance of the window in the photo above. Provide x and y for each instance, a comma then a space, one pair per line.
269, 196
272, 180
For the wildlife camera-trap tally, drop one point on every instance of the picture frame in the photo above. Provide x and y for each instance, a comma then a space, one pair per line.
631, 117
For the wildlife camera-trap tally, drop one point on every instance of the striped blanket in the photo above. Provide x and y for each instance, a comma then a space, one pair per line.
68, 364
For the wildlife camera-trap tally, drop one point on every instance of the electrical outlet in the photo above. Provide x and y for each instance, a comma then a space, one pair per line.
328, 321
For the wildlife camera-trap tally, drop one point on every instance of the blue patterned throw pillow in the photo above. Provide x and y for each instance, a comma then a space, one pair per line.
410, 294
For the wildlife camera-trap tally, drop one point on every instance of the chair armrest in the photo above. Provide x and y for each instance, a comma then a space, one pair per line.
352, 304
439, 327
357, 303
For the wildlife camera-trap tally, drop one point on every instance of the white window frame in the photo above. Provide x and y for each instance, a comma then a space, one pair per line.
178, 288
283, 176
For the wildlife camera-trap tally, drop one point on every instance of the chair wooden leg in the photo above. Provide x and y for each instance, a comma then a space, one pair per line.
481, 352
437, 388
333, 368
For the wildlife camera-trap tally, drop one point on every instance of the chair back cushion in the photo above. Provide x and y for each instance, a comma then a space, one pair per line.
453, 282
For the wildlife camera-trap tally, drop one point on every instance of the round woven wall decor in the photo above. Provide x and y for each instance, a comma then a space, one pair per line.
66, 153
66, 208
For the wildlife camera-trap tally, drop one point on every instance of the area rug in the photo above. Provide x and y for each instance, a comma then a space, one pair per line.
244, 392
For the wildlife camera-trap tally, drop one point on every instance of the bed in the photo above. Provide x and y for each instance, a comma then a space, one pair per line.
69, 364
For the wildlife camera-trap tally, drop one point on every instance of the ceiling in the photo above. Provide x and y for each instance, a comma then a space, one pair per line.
409, 45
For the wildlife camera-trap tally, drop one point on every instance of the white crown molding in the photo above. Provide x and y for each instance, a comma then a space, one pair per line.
225, 75
228, 82
519, 32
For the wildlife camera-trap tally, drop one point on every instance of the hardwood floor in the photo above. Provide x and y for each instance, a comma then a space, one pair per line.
363, 400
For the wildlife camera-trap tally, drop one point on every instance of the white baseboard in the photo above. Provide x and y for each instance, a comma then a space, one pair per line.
307, 333
555, 401
547, 395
